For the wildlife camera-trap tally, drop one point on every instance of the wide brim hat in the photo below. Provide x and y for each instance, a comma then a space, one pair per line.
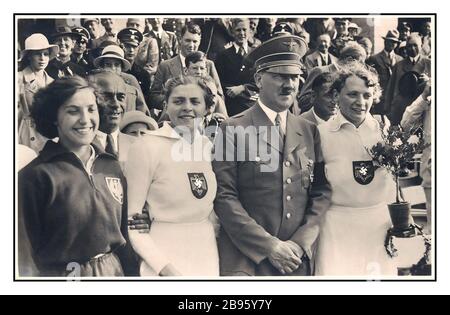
65, 31
281, 54
113, 51
136, 116
37, 42
392, 35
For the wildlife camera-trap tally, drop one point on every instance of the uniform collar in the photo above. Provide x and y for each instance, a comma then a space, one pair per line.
271, 114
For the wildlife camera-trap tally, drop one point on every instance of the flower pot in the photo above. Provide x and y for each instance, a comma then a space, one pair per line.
400, 214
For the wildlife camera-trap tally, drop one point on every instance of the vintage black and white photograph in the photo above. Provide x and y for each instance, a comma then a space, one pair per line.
225, 147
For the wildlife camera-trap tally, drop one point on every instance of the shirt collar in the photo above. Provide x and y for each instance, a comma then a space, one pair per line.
271, 114
245, 46
183, 60
414, 59
167, 131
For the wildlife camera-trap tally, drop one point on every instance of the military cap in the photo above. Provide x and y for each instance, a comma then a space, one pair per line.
282, 28
83, 32
281, 54
130, 35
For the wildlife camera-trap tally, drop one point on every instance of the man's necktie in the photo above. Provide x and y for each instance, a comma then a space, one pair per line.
110, 148
241, 51
280, 130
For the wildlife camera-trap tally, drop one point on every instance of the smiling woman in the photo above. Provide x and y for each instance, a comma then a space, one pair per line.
71, 197
181, 241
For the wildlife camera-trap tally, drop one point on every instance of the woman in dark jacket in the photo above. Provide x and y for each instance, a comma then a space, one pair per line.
72, 205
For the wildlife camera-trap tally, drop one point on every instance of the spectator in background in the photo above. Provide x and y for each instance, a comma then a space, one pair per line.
62, 66
324, 100
320, 57
176, 66
265, 28
253, 42
384, 63
216, 37
129, 39
230, 67
34, 59
366, 43
137, 124
148, 52
80, 52
167, 41
112, 59
352, 52
95, 31
415, 69
341, 36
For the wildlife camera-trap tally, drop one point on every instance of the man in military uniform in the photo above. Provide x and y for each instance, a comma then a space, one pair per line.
62, 66
167, 41
148, 52
129, 39
80, 52
271, 185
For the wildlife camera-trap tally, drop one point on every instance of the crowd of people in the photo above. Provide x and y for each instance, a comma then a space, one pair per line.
110, 123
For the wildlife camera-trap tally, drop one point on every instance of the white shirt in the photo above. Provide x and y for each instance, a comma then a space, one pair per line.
183, 61
102, 138
272, 115
325, 57
245, 46
414, 60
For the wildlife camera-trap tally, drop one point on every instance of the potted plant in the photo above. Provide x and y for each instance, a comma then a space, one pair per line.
394, 153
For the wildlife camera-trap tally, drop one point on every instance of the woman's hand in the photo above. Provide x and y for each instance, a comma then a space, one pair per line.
170, 271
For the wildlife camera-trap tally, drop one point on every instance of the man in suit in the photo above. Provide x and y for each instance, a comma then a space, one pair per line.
271, 186
111, 91
148, 53
190, 41
167, 41
233, 75
320, 57
384, 62
324, 100
416, 65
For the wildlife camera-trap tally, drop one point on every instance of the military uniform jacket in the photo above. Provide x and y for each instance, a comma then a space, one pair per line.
167, 44
256, 208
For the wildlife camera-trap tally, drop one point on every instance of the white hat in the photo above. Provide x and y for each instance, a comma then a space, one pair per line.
36, 42
113, 51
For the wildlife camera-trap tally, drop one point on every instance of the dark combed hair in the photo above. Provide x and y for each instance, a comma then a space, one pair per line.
368, 74
171, 84
195, 57
191, 28
48, 100
321, 79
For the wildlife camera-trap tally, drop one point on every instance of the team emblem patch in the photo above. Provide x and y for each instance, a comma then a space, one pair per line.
199, 186
115, 188
363, 172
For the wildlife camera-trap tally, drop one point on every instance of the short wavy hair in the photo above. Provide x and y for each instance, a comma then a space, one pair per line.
171, 84
48, 100
368, 74
354, 51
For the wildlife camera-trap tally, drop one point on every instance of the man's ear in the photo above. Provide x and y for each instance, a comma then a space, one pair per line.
258, 77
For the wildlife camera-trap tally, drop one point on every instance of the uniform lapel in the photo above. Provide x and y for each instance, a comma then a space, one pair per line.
293, 134
260, 119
